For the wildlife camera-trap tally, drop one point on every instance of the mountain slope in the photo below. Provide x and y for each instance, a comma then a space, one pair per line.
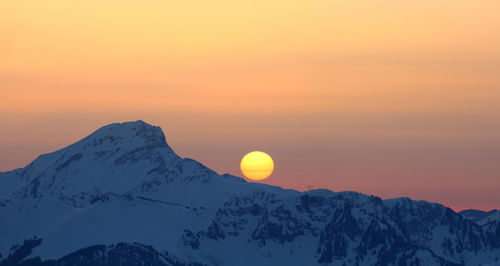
481, 217
123, 190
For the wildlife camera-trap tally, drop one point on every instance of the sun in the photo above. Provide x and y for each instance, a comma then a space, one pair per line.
257, 165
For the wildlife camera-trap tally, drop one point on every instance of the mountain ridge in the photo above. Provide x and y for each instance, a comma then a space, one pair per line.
125, 184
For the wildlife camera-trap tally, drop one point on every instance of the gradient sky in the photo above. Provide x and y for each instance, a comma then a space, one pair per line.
392, 98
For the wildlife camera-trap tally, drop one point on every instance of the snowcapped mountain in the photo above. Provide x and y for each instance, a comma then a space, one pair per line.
121, 196
481, 217
489, 221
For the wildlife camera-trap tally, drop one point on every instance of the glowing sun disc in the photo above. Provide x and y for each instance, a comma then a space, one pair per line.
257, 165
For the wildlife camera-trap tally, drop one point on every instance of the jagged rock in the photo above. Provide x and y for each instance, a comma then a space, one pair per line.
94, 201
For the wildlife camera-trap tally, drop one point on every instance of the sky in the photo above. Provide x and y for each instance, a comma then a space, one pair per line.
386, 97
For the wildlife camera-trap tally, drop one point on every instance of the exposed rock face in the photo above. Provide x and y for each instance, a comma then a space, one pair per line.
121, 196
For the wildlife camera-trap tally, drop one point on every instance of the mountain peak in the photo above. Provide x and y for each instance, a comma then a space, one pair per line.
123, 184
115, 158
129, 133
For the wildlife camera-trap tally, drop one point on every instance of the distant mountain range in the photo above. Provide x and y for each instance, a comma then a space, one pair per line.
121, 196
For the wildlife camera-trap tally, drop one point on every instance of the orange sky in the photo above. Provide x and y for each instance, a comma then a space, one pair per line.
392, 98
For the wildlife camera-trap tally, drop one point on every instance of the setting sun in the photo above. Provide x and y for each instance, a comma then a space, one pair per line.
257, 165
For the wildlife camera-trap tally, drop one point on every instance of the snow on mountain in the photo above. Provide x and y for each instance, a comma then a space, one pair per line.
490, 223
481, 217
121, 196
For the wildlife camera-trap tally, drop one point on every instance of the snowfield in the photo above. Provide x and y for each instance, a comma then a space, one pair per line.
122, 196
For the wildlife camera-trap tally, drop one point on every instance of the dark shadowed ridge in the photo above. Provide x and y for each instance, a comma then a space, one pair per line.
121, 196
